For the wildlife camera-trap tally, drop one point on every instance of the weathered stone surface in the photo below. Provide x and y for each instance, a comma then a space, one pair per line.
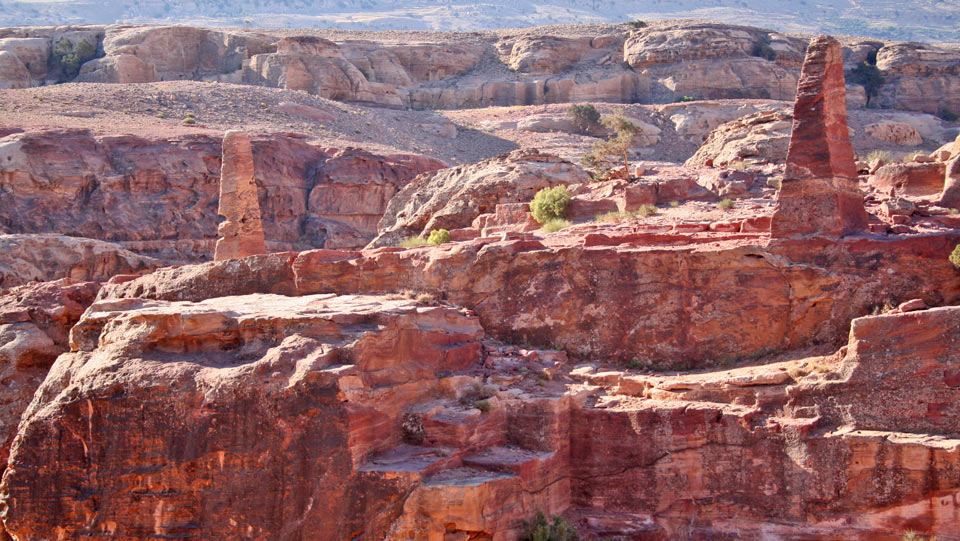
219, 396
452, 198
910, 179
46, 257
919, 77
165, 53
895, 132
819, 193
762, 137
158, 196
950, 196
546, 55
13, 74
32, 52
240, 234
34, 324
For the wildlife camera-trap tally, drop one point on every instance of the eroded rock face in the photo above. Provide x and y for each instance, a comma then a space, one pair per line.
452, 198
910, 179
35, 321
13, 74
241, 231
46, 257
158, 196
819, 193
762, 137
223, 395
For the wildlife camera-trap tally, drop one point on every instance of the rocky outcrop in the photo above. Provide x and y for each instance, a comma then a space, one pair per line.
910, 179
919, 77
33, 54
240, 234
950, 196
232, 393
35, 321
166, 53
429, 432
317, 66
158, 196
452, 198
758, 138
819, 193
13, 74
45, 257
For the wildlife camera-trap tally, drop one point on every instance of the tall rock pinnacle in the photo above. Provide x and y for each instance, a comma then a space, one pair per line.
241, 232
819, 193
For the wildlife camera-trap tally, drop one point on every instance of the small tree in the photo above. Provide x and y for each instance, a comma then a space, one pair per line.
550, 204
70, 58
615, 148
869, 76
585, 117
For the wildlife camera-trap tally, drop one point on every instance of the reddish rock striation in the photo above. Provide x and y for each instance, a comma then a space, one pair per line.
46, 257
693, 297
35, 321
181, 407
819, 193
241, 231
158, 196
452, 198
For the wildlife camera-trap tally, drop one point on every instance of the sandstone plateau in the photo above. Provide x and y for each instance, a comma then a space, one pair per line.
219, 320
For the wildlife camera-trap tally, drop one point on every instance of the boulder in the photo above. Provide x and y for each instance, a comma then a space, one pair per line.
910, 179
546, 55
45, 257
761, 137
950, 195
452, 198
895, 132
819, 193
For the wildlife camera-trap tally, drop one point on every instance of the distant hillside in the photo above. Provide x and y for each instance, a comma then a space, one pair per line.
919, 20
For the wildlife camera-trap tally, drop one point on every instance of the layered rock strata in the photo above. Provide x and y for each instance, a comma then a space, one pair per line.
240, 234
819, 193
158, 196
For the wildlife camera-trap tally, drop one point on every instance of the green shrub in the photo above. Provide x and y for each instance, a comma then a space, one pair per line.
585, 117
684, 99
413, 242
674, 204
555, 224
947, 114
439, 236
550, 203
762, 49
955, 257
190, 120
542, 530
646, 211
70, 58
725, 204
638, 24
869, 76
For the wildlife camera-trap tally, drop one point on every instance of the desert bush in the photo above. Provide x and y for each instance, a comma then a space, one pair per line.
638, 24
726, 204
883, 155
413, 242
540, 529
684, 99
955, 257
555, 224
674, 204
585, 117
762, 48
190, 120
550, 203
869, 76
70, 58
439, 236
